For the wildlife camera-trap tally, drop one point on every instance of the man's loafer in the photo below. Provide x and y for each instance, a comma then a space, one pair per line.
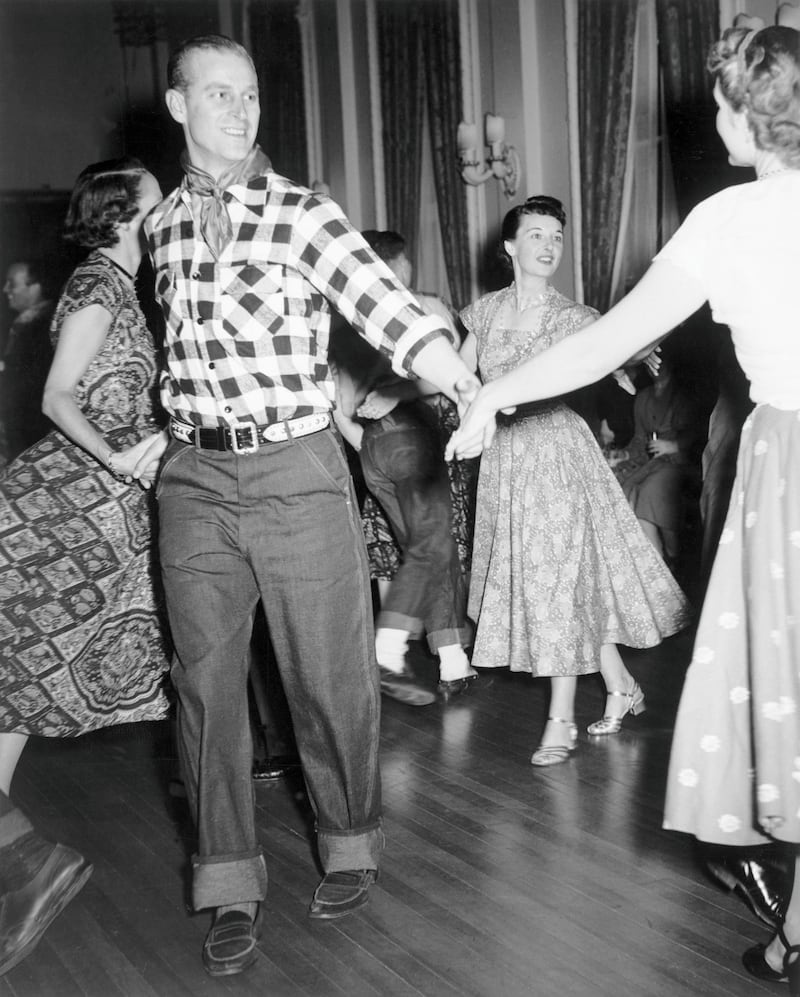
454, 687
403, 687
340, 893
762, 886
230, 945
26, 914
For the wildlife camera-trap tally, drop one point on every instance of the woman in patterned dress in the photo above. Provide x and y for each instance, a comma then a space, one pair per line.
561, 570
81, 641
734, 774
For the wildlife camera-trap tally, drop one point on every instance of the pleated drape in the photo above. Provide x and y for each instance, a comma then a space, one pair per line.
605, 74
420, 69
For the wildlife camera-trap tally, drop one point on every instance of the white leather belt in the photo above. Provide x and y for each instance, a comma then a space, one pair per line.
246, 437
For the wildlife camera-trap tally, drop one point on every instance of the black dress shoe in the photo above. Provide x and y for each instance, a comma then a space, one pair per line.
403, 687
340, 893
230, 945
274, 768
26, 914
762, 886
454, 687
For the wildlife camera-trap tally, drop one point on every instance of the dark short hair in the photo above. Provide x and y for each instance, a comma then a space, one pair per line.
177, 78
105, 195
387, 245
760, 72
538, 204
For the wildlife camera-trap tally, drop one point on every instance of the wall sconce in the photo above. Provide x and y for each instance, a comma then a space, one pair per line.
502, 162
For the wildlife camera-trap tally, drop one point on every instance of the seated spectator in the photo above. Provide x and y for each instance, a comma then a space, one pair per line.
662, 459
27, 356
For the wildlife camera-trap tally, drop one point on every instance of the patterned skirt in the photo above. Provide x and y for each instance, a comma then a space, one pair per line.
82, 635
560, 565
734, 774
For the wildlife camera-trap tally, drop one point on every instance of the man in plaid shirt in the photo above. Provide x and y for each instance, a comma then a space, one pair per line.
255, 499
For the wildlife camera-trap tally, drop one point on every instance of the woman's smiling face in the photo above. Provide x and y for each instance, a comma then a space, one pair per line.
538, 245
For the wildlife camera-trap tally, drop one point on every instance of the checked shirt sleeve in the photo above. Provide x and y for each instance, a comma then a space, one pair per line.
339, 263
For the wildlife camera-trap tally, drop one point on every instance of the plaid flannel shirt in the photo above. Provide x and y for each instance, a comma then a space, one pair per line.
247, 335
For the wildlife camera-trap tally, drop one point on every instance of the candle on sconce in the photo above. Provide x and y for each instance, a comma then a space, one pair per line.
467, 137
495, 129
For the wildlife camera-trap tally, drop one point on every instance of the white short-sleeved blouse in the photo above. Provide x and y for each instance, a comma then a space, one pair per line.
743, 246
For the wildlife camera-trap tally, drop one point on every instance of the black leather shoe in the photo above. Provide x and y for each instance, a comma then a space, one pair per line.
230, 945
340, 893
454, 687
274, 768
403, 687
26, 914
762, 887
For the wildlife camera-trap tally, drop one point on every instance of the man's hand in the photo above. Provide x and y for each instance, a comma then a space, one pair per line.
377, 404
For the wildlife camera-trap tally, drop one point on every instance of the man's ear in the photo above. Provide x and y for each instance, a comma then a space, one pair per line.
176, 105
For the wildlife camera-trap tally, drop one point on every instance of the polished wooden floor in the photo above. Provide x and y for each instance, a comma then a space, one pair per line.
499, 879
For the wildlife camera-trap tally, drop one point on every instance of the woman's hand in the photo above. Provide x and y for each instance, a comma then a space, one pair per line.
477, 429
146, 456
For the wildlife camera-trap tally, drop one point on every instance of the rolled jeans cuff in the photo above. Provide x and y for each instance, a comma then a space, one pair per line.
341, 850
228, 879
399, 621
446, 638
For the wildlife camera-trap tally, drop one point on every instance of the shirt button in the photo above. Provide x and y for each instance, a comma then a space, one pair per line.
228, 408
199, 321
196, 275
212, 365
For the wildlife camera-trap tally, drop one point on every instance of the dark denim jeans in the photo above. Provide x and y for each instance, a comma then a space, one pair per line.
403, 466
280, 525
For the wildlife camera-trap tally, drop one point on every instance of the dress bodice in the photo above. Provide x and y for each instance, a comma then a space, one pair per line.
501, 349
118, 386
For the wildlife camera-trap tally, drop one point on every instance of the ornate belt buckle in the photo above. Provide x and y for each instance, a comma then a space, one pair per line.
247, 442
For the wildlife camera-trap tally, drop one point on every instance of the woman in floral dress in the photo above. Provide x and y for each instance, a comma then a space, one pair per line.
561, 570
82, 644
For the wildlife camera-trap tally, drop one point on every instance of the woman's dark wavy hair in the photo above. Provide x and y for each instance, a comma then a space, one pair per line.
539, 204
105, 195
760, 72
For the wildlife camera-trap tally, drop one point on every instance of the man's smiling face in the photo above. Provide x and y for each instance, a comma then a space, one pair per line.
219, 109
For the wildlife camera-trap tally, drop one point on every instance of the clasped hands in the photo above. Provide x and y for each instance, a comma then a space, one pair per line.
478, 426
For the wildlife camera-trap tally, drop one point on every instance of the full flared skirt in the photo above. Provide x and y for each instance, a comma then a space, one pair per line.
560, 564
82, 636
734, 775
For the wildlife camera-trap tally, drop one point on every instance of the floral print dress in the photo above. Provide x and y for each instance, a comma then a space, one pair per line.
560, 565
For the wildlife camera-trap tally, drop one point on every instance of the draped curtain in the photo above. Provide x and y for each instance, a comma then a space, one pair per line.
686, 30
420, 69
276, 48
604, 107
402, 100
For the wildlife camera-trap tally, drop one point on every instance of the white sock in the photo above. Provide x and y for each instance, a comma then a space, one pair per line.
391, 647
453, 663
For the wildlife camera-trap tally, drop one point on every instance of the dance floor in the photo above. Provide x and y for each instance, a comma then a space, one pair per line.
498, 879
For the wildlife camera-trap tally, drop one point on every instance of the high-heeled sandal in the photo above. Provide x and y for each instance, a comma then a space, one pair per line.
634, 706
554, 754
754, 961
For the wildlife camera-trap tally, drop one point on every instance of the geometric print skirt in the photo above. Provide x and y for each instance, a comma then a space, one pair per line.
734, 774
82, 636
